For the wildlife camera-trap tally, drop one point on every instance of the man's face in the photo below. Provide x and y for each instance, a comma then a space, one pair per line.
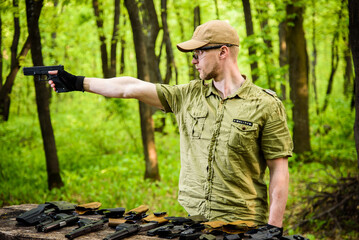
206, 63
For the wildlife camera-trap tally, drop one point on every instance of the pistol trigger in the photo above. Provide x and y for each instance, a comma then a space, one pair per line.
51, 77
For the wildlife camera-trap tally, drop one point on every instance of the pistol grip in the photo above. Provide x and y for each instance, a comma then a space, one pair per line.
60, 86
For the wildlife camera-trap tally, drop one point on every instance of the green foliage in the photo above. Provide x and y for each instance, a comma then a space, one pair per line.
333, 156
100, 157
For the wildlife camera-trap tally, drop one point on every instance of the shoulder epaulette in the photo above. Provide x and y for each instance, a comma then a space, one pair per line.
270, 92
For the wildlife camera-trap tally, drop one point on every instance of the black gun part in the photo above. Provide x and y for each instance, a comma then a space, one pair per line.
149, 226
124, 230
36, 215
86, 226
112, 212
44, 71
192, 232
293, 237
61, 220
39, 226
232, 237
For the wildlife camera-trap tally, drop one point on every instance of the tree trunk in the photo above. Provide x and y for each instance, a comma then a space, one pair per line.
99, 21
171, 64
53, 42
268, 51
196, 22
177, 9
216, 7
334, 66
283, 57
1, 58
143, 72
123, 44
108, 70
170, 61
334, 57
6, 89
298, 77
314, 60
5, 92
115, 36
123, 47
348, 75
250, 32
354, 44
15, 42
33, 10
150, 22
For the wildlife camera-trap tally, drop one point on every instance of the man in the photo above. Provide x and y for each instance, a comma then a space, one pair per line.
230, 130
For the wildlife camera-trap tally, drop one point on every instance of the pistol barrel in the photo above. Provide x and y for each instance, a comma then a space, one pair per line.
41, 70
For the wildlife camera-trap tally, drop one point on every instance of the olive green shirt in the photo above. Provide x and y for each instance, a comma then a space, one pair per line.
224, 147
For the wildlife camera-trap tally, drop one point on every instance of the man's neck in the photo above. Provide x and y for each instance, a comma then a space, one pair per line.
228, 83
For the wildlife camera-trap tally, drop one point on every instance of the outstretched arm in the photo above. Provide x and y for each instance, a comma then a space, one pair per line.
124, 87
121, 87
278, 190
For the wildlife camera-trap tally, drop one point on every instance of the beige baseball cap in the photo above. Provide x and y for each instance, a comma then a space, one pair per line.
212, 32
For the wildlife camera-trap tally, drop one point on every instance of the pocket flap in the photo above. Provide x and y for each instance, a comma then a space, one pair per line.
198, 112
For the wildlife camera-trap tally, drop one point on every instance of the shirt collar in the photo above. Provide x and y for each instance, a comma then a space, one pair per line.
242, 92
210, 88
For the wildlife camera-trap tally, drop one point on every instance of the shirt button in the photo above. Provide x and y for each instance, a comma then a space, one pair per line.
243, 128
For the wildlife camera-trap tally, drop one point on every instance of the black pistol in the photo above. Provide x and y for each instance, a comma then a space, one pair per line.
86, 226
59, 221
123, 230
44, 71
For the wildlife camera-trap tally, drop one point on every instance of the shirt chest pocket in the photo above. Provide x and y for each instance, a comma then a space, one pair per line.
195, 122
243, 137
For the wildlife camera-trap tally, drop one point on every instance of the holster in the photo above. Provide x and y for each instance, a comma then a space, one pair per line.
62, 206
87, 207
41, 213
33, 216
139, 210
112, 212
113, 222
154, 218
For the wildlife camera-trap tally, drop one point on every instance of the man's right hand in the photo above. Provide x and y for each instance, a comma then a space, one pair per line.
71, 82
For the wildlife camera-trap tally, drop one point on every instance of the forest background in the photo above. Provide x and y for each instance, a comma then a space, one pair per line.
99, 141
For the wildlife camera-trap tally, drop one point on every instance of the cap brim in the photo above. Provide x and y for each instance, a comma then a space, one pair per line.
190, 45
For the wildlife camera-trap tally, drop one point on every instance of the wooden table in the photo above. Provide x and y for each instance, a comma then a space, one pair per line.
11, 230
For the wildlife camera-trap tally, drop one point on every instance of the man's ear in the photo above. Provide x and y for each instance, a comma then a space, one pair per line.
224, 52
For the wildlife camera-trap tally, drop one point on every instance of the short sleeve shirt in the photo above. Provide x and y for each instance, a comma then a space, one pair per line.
224, 145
